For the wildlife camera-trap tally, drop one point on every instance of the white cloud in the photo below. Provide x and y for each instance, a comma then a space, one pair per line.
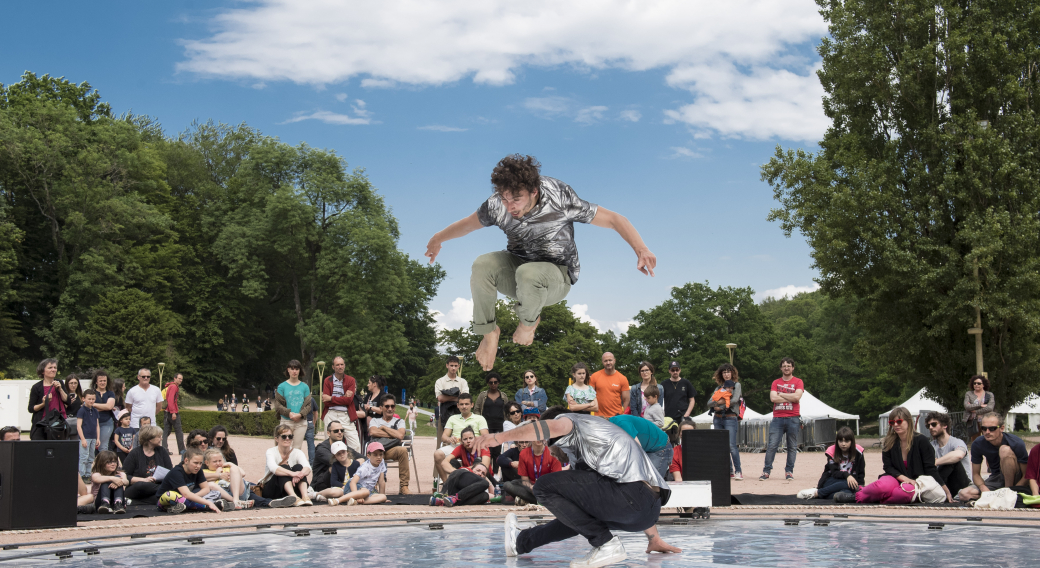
460, 315
623, 326
440, 128
581, 311
743, 61
330, 118
631, 115
341, 97
591, 114
684, 152
548, 107
788, 291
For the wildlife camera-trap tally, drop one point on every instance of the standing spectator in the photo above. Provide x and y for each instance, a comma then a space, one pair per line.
119, 391
291, 400
679, 395
1005, 454
637, 393
337, 395
287, 469
534, 462
124, 436
105, 405
143, 400
46, 397
258, 402
140, 464
491, 404
951, 455
906, 455
370, 404
220, 404
388, 432
452, 384
654, 411
172, 416
612, 389
87, 429
580, 396
73, 404
787, 418
324, 456
107, 484
412, 415
267, 404
844, 471
977, 401
532, 397
726, 414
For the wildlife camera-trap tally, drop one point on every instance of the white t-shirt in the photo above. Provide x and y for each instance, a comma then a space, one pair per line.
368, 476
142, 403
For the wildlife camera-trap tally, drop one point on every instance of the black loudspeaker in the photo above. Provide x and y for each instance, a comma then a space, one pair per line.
38, 487
705, 455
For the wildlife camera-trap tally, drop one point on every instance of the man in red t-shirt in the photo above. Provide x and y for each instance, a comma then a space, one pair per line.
612, 390
535, 461
787, 417
172, 418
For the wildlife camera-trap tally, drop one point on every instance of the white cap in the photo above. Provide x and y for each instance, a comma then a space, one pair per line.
338, 447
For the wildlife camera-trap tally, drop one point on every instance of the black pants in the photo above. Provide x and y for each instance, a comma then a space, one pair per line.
953, 476
275, 487
586, 503
143, 490
470, 488
509, 473
520, 491
112, 496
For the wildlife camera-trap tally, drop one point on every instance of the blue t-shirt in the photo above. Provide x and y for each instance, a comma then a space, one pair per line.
646, 432
126, 437
88, 417
981, 447
106, 416
294, 395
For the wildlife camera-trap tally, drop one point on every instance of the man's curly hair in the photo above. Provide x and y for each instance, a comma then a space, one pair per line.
516, 173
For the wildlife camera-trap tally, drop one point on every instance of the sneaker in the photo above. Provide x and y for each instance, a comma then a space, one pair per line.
512, 532
611, 552
764, 477
105, 508
87, 509
351, 502
332, 502
519, 502
436, 501
789, 476
224, 505
844, 497
120, 509
244, 505
738, 476
304, 503
807, 494
176, 508
450, 501
319, 498
287, 501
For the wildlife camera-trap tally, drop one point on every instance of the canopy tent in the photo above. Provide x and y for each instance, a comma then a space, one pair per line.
812, 407
1031, 408
709, 418
916, 404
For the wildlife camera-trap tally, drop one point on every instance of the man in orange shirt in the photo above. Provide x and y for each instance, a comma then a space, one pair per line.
612, 391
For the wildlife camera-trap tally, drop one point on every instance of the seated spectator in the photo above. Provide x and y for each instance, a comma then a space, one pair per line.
389, 431
535, 462
341, 471
1033, 470
185, 487
893, 487
10, 434
653, 440
367, 485
124, 436
844, 470
509, 461
675, 430
654, 412
514, 415
324, 457
951, 455
140, 464
84, 499
463, 455
286, 469
465, 486
451, 435
218, 437
1006, 455
228, 480
198, 439
107, 484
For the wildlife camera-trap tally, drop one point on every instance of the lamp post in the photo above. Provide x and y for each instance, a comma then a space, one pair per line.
321, 375
977, 331
161, 367
731, 347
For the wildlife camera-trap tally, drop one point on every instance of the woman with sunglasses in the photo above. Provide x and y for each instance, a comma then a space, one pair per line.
905, 456
977, 401
532, 398
491, 404
219, 436
581, 397
514, 416
287, 469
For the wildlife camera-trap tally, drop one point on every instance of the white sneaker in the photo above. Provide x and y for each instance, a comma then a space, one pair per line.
807, 494
738, 476
512, 532
318, 498
611, 552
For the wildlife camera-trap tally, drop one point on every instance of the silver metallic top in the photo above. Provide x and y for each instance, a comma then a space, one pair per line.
609, 450
546, 233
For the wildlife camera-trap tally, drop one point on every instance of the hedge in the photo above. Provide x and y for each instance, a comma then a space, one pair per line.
238, 423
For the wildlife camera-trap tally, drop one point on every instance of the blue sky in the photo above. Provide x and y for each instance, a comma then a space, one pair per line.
660, 110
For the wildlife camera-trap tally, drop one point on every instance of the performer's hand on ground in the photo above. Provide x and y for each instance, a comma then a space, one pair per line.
488, 349
524, 335
433, 248
646, 262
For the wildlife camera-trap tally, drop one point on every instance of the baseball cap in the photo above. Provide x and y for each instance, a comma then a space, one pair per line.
338, 447
375, 447
674, 365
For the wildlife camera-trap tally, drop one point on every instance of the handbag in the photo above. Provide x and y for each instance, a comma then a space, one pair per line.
389, 442
54, 426
928, 490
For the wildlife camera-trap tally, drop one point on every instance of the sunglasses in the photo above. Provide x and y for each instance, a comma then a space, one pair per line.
286, 436
515, 412
220, 439
895, 422
933, 424
390, 406
989, 428
340, 431
528, 376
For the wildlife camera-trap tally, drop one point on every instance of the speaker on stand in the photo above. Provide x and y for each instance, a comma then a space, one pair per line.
705, 455
38, 487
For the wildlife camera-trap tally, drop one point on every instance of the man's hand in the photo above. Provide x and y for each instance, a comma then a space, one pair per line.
326, 397
484, 442
433, 248
173, 416
349, 394
646, 261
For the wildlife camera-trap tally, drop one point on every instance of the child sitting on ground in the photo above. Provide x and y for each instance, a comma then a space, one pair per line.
844, 470
366, 485
107, 484
185, 486
654, 412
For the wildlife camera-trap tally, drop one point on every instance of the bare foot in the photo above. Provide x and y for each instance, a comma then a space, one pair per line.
488, 349
657, 544
524, 335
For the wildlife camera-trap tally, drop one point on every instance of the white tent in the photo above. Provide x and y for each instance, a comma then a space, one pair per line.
916, 404
812, 407
1031, 408
709, 418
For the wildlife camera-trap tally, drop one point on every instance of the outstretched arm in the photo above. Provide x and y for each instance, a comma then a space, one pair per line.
645, 260
459, 228
534, 430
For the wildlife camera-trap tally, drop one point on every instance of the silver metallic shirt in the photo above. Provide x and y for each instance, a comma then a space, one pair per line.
609, 450
546, 233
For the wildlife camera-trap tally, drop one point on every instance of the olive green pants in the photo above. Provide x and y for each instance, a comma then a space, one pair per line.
533, 285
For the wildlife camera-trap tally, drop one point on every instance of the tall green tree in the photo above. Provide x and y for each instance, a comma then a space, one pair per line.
928, 172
